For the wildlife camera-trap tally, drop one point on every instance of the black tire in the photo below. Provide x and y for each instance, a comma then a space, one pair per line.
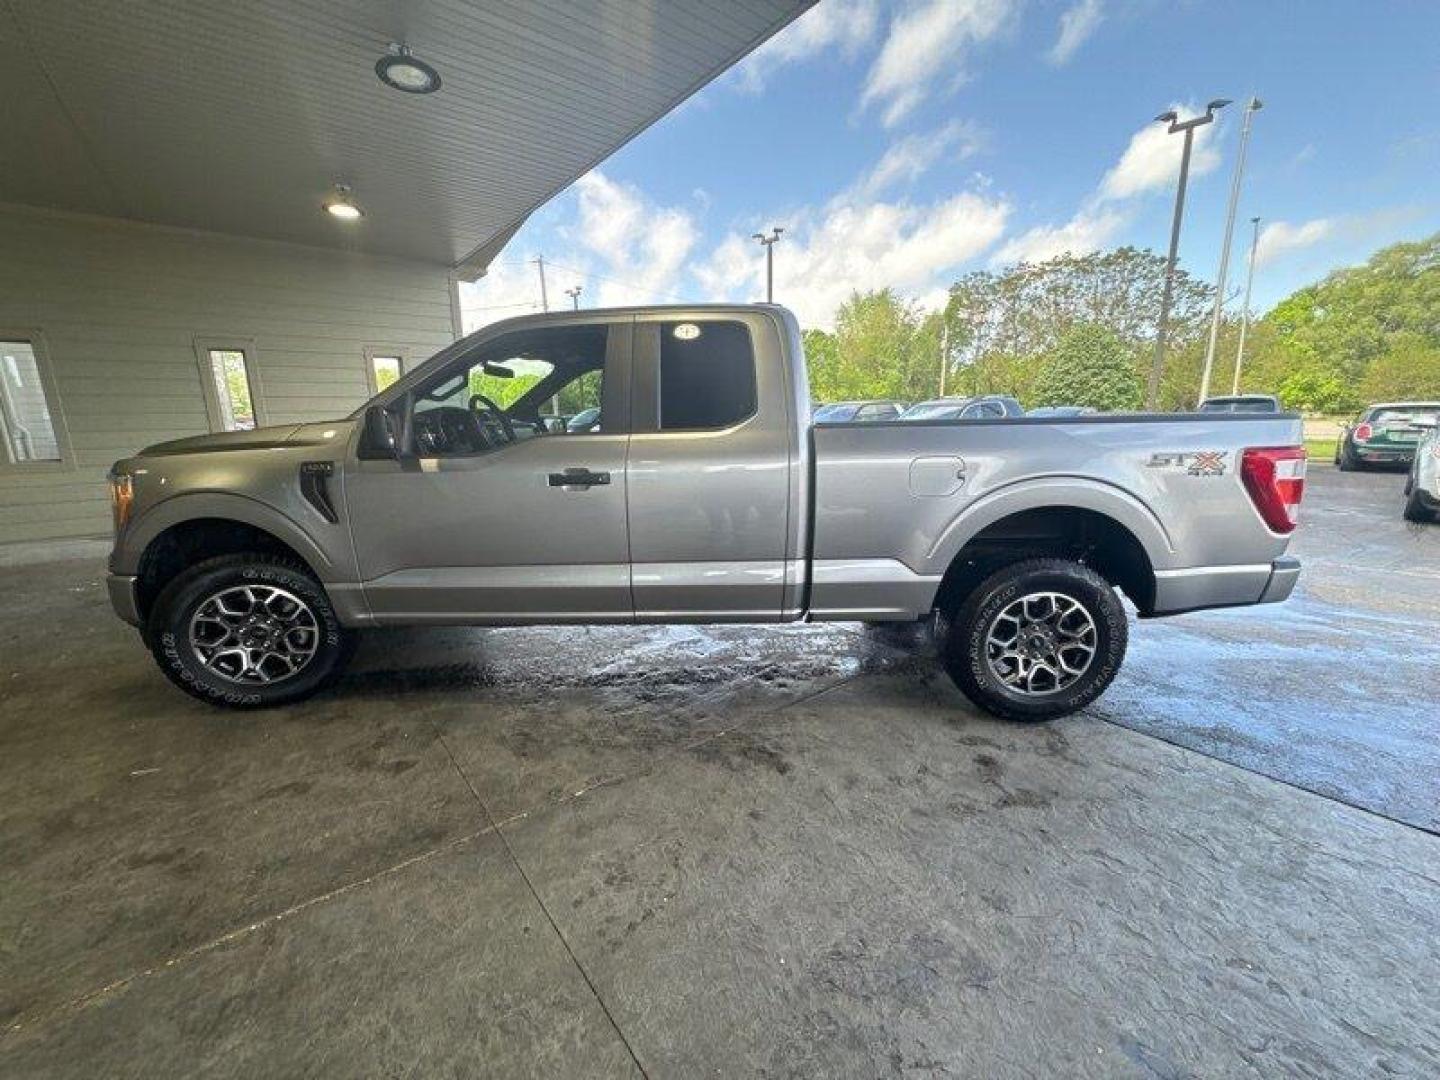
1347, 462
167, 631
1415, 510
964, 653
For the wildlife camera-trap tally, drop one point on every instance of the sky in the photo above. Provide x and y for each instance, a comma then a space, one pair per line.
903, 144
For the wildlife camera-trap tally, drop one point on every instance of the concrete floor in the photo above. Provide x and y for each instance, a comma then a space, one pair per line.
737, 851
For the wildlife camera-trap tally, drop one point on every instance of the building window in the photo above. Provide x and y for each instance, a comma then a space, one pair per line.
26, 420
230, 379
385, 370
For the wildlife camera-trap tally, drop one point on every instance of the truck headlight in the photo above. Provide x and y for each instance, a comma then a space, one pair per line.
122, 498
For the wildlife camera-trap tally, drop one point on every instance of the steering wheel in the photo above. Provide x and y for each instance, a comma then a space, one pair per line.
480, 405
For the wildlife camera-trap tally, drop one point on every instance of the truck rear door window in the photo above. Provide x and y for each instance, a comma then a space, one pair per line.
707, 375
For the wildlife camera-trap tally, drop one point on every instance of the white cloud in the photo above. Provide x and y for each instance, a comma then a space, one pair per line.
925, 45
1280, 238
641, 247
1077, 23
620, 247
842, 25
1092, 228
909, 158
856, 244
1152, 159
624, 248
509, 288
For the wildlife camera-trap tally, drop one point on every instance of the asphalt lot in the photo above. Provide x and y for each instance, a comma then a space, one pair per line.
737, 851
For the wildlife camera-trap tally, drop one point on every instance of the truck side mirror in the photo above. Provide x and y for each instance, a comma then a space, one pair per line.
379, 438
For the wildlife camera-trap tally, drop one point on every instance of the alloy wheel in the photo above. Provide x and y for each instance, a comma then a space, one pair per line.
254, 634
1041, 643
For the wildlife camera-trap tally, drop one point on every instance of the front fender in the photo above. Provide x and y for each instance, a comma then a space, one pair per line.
1064, 492
192, 506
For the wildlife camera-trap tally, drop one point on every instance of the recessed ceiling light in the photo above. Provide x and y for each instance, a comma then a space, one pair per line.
341, 205
405, 72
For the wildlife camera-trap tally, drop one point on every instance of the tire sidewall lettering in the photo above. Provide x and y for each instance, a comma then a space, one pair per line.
178, 659
965, 647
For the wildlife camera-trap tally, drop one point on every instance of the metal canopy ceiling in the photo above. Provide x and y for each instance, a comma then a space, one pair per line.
240, 116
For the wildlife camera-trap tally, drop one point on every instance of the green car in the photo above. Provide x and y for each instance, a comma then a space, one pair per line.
1385, 434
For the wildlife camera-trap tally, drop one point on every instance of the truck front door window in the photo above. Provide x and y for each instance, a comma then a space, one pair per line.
519, 387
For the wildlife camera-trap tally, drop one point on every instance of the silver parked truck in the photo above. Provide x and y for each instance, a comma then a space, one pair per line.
701, 492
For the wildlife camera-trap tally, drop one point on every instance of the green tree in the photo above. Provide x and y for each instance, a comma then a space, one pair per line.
883, 347
822, 362
1089, 366
1360, 313
504, 392
1409, 371
1312, 389
1003, 321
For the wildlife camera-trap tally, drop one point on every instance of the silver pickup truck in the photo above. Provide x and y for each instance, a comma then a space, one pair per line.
660, 465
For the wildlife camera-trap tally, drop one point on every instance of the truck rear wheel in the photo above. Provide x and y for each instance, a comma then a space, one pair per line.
247, 631
1037, 639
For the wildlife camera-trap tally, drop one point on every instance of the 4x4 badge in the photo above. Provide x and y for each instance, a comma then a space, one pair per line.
1207, 463
1194, 462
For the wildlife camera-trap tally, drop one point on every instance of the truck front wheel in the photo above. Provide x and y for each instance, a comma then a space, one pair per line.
247, 631
1037, 639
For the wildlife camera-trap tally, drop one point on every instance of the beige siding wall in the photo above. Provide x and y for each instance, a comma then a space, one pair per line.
119, 308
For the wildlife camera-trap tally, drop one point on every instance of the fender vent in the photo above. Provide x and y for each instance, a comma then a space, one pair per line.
315, 486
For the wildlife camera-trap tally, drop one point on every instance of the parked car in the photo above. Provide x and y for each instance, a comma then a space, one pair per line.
863, 412
988, 407
1385, 434
584, 420
1422, 487
249, 560
1242, 403
1059, 412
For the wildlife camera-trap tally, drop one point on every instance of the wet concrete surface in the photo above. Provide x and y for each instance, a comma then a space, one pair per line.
1336, 691
736, 851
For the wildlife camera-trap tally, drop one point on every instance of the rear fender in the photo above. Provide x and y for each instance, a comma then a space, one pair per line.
1060, 492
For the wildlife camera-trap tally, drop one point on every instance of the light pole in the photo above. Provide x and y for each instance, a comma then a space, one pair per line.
1245, 312
768, 242
544, 296
1251, 109
574, 295
1152, 396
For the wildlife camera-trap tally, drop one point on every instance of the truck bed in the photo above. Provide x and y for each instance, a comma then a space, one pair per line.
894, 503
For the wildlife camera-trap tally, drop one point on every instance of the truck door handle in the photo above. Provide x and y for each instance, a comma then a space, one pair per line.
576, 477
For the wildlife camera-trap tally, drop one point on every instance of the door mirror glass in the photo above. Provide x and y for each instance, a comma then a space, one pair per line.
380, 436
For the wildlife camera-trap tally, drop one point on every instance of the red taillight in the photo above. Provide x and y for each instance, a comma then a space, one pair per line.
1275, 478
1363, 432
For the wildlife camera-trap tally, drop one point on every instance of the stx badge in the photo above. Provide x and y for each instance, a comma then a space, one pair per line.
1194, 462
